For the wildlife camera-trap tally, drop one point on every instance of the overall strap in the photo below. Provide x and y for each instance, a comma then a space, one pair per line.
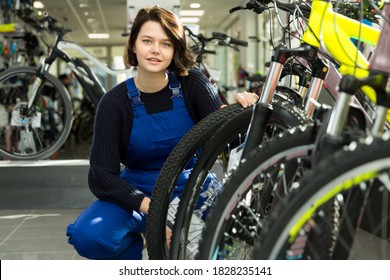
133, 92
174, 85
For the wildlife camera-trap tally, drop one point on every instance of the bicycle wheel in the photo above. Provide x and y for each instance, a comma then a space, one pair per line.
213, 167
187, 150
358, 178
250, 192
167, 180
38, 132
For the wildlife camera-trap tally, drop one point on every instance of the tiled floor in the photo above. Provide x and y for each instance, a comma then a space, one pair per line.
37, 204
36, 234
38, 200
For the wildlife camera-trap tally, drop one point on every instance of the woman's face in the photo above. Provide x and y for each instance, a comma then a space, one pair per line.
153, 48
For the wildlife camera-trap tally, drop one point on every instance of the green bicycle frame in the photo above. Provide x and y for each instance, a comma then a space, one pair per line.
335, 31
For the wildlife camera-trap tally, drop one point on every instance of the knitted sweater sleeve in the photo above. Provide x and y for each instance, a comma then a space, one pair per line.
112, 128
200, 95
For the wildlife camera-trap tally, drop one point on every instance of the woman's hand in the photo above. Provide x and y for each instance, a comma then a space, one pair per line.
168, 235
144, 208
246, 98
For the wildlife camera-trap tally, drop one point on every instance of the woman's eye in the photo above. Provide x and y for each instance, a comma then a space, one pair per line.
146, 41
166, 45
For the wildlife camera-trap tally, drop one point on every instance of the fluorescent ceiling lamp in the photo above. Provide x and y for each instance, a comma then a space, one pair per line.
191, 13
98, 35
195, 5
189, 19
38, 5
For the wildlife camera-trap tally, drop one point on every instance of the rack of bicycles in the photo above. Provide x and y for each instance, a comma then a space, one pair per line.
290, 177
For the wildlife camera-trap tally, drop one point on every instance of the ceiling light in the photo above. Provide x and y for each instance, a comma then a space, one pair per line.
38, 5
189, 19
195, 5
191, 13
98, 35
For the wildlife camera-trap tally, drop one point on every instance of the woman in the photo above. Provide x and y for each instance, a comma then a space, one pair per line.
138, 123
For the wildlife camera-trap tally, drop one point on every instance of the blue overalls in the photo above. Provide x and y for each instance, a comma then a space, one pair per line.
105, 230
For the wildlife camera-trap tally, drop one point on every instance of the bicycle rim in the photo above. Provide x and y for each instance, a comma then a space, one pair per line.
38, 132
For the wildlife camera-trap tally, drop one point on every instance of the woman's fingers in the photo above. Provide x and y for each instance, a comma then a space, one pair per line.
246, 98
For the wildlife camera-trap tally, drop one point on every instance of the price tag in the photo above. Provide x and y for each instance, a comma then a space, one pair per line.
235, 157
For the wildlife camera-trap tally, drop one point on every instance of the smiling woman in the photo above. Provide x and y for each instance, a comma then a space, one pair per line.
166, 98
138, 123
154, 52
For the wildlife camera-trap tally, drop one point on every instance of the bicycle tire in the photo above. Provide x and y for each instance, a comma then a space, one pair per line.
283, 116
362, 167
173, 166
42, 136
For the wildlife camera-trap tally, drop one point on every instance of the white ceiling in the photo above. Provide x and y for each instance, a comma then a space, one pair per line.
110, 16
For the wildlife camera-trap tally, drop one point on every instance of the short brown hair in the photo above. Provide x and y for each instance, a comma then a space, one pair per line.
183, 58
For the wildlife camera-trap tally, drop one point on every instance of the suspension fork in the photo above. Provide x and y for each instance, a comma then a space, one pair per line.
262, 109
320, 69
356, 196
32, 95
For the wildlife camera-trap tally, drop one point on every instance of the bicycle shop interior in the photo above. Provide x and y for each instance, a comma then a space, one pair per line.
40, 197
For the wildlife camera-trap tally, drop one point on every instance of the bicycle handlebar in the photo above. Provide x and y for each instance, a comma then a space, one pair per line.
41, 21
222, 39
259, 6
351, 10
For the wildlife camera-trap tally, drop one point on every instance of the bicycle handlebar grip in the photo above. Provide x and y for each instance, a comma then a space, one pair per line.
228, 40
237, 42
209, 52
232, 10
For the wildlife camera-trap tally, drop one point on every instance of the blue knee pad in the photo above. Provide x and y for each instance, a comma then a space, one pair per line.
106, 231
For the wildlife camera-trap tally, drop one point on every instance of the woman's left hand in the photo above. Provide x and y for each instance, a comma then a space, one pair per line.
246, 98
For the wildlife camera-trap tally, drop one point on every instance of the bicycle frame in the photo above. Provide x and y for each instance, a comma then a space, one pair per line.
326, 29
66, 45
88, 80
336, 32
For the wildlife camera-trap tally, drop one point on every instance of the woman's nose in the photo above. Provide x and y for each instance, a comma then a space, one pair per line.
156, 48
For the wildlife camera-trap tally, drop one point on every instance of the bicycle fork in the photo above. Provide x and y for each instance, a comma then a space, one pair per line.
262, 109
28, 117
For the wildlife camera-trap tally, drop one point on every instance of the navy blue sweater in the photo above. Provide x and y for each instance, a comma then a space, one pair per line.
112, 130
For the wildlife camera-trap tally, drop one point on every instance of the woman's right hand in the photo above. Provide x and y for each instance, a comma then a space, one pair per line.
246, 98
